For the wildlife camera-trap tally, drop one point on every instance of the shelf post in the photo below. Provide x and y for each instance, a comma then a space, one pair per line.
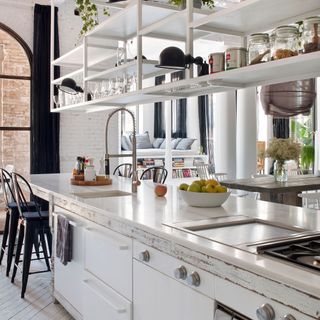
317, 131
85, 68
52, 54
139, 45
168, 153
189, 35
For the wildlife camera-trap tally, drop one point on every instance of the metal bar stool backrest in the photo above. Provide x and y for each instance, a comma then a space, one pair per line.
157, 174
7, 189
123, 170
21, 201
207, 171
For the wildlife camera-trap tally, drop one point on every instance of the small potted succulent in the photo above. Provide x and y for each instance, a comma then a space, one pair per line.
88, 13
196, 3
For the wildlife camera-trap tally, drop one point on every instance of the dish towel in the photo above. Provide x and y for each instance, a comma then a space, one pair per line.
64, 240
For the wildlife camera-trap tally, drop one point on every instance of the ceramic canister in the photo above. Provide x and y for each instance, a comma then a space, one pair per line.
216, 62
236, 58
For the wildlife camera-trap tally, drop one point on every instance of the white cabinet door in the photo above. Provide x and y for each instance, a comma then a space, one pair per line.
108, 256
68, 279
158, 297
102, 302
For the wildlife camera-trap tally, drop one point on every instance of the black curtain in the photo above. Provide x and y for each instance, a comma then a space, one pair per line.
159, 124
45, 126
181, 110
281, 128
203, 121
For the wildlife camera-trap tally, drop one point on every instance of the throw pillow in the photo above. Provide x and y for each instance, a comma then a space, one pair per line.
143, 141
174, 143
157, 143
185, 144
163, 144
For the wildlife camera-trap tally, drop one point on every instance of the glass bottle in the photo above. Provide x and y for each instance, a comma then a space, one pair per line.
311, 34
280, 171
286, 42
259, 48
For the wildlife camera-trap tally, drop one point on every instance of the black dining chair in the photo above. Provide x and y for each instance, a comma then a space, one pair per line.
11, 210
33, 229
157, 174
123, 170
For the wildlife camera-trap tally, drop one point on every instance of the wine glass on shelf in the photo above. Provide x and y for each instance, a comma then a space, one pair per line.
112, 87
104, 88
133, 83
97, 90
56, 101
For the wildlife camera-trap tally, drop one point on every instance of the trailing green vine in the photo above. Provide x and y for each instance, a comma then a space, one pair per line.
88, 13
208, 3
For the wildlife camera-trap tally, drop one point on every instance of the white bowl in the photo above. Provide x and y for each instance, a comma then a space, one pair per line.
203, 199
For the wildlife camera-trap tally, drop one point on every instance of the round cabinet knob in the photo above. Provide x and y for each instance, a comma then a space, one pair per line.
144, 256
194, 279
180, 273
288, 317
265, 312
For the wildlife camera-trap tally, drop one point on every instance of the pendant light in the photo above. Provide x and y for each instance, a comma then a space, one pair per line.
174, 58
69, 86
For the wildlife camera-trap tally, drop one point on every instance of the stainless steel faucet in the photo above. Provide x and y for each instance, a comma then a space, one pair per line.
134, 149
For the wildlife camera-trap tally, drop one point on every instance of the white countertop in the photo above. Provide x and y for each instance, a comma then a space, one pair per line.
145, 211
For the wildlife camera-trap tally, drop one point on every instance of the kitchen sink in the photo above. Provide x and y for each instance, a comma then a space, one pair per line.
239, 230
101, 194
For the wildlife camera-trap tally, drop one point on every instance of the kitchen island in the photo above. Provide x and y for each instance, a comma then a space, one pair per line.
147, 246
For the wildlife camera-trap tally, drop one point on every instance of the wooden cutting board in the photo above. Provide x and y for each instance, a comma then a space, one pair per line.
104, 182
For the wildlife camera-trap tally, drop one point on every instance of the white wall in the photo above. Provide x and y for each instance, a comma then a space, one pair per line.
81, 134
19, 19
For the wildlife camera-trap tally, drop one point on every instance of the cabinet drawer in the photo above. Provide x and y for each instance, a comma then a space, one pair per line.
159, 297
108, 256
101, 302
168, 265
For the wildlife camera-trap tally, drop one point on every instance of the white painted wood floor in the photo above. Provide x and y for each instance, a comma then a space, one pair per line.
37, 304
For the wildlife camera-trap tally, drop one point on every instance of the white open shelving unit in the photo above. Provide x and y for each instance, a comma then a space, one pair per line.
94, 59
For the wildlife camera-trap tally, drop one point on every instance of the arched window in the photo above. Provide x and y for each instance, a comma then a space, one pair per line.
15, 93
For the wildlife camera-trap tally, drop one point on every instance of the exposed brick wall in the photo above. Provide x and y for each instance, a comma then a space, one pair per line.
14, 105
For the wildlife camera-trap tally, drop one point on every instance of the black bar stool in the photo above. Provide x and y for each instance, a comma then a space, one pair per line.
33, 228
12, 218
157, 174
123, 170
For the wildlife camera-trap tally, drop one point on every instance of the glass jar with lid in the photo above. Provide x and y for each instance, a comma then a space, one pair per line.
259, 48
286, 42
311, 34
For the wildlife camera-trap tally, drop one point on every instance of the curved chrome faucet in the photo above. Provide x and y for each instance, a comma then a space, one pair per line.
134, 149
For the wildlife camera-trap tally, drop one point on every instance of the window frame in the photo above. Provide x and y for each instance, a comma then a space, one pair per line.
28, 53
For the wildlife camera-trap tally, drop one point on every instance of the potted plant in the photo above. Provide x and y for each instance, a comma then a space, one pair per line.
307, 158
282, 150
196, 3
88, 13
